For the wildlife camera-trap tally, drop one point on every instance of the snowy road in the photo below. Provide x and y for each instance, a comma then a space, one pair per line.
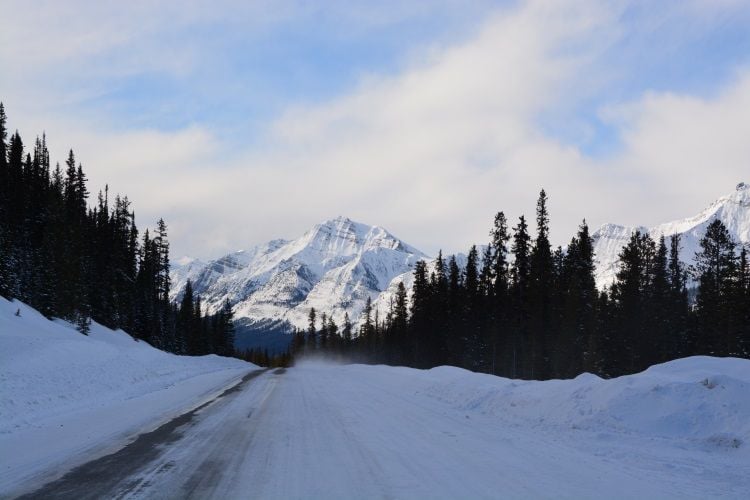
322, 431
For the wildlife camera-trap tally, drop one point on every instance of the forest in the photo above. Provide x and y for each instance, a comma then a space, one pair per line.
75, 262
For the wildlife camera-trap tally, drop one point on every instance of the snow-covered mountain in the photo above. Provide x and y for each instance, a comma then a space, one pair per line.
733, 210
334, 267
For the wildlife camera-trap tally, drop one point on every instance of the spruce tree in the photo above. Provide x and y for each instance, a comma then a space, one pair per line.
631, 341
470, 325
312, 331
400, 324
716, 268
500, 293
520, 312
419, 314
346, 333
455, 310
540, 292
679, 335
658, 303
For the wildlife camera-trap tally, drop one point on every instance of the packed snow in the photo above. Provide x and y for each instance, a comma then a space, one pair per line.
318, 430
64, 394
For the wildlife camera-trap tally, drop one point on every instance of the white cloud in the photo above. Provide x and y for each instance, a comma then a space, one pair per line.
684, 149
433, 152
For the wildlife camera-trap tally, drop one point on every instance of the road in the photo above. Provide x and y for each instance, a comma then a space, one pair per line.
318, 432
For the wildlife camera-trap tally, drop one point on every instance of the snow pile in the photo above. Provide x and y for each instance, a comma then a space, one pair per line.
69, 391
697, 401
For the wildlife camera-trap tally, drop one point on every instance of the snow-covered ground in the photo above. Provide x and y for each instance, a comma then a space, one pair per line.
65, 396
321, 430
677, 430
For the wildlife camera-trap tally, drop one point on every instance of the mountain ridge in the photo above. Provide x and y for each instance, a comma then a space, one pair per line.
732, 209
338, 264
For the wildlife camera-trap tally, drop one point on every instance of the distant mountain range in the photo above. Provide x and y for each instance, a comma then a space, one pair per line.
337, 264
733, 210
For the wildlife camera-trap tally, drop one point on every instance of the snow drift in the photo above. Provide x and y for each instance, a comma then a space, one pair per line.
62, 392
698, 401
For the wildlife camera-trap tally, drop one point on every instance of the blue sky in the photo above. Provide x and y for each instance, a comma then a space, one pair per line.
244, 121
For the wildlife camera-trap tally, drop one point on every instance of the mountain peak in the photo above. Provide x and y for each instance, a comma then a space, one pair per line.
742, 186
344, 236
335, 266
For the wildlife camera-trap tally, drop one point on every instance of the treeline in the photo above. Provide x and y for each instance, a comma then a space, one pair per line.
261, 357
76, 262
522, 309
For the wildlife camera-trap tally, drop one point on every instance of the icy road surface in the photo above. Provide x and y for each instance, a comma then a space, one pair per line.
325, 431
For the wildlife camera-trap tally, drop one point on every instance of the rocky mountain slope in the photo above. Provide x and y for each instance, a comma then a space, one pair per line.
334, 267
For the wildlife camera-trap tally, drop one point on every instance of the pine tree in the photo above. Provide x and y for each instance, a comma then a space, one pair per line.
346, 332
399, 332
226, 330
520, 277
455, 307
716, 268
579, 347
420, 320
312, 331
741, 305
679, 335
471, 334
540, 296
658, 303
631, 340
367, 333
323, 332
435, 335
500, 292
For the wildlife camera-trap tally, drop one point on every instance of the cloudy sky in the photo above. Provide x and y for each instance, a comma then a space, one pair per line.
242, 121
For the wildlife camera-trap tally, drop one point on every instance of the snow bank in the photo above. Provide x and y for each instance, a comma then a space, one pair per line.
678, 430
62, 392
700, 400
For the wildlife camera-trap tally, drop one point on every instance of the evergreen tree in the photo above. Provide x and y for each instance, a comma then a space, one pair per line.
678, 336
659, 302
472, 336
741, 306
519, 291
185, 323
399, 333
346, 332
366, 338
500, 291
312, 331
540, 296
579, 347
631, 341
420, 319
323, 332
455, 310
716, 268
